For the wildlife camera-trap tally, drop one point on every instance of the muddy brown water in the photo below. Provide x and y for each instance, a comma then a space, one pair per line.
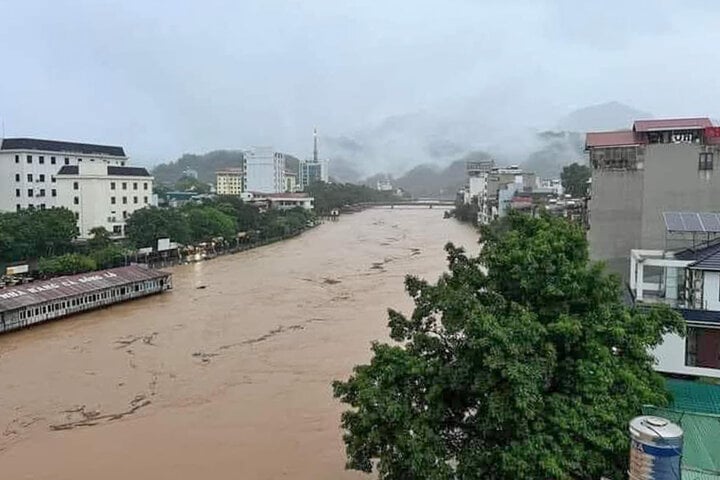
230, 381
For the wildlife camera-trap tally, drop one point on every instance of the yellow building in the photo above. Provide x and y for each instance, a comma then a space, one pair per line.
230, 181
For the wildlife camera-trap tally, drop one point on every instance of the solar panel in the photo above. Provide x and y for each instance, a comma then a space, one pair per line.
710, 221
692, 222
673, 222
695, 222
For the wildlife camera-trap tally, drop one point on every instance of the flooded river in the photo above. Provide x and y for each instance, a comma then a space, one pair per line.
228, 375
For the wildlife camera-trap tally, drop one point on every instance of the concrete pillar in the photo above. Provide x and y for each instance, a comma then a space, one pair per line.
639, 282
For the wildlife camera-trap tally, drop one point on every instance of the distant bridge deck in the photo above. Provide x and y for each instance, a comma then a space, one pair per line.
411, 203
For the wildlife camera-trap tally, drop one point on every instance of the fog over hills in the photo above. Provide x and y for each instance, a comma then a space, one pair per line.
402, 144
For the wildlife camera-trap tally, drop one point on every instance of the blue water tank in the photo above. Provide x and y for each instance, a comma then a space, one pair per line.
655, 449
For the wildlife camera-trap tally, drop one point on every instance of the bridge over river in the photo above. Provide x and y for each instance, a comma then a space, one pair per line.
431, 203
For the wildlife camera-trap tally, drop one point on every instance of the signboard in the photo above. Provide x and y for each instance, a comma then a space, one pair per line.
712, 132
16, 270
163, 244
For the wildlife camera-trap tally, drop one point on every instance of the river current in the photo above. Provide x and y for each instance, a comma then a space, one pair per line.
228, 375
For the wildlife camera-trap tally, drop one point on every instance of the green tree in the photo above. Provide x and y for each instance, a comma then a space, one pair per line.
521, 363
67, 264
207, 222
145, 226
31, 234
190, 184
574, 179
100, 238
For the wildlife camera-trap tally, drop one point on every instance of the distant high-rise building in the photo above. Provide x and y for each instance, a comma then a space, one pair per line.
265, 170
314, 170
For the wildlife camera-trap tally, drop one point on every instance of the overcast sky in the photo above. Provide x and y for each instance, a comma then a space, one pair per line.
166, 77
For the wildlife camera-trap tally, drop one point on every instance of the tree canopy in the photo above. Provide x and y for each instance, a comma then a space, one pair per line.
574, 178
31, 234
329, 196
522, 362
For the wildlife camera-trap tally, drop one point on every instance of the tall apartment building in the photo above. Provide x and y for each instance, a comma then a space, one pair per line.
264, 170
657, 166
230, 181
28, 168
103, 195
312, 171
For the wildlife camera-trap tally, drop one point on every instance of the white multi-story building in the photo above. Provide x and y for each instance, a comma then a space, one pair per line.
265, 170
688, 280
103, 195
312, 171
28, 168
230, 181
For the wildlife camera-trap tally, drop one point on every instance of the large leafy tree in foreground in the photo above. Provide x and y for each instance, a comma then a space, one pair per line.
522, 363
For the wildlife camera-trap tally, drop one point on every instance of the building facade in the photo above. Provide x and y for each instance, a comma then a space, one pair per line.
312, 171
264, 170
689, 281
657, 166
103, 195
28, 169
230, 181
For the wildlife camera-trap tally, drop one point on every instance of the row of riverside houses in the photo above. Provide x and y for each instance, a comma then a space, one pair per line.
93, 181
652, 219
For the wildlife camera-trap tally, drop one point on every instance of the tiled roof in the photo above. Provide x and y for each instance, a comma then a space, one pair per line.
706, 258
672, 124
50, 290
111, 170
701, 316
58, 146
611, 139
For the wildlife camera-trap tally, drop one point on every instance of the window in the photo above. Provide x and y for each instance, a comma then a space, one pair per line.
705, 161
77, 216
29, 158
125, 214
17, 158
30, 192
42, 192
135, 200
42, 206
124, 185
145, 200
29, 177
117, 229
112, 185
124, 200
76, 200
67, 161
112, 200
17, 192
41, 159
54, 192
76, 186
17, 177
134, 185
18, 207
42, 177
52, 161
702, 347
52, 179
144, 185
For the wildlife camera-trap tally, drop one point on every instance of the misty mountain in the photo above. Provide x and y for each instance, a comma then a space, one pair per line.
605, 116
439, 136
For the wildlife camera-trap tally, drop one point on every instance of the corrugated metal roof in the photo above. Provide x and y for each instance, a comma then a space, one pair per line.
672, 124
59, 146
57, 288
611, 139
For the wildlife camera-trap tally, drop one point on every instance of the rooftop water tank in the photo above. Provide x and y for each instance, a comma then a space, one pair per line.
655, 449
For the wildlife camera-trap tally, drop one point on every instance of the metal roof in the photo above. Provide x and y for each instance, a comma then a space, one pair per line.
611, 139
58, 288
59, 146
698, 222
697, 123
111, 170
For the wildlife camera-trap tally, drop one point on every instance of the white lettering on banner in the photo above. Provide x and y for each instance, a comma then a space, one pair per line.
19, 292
